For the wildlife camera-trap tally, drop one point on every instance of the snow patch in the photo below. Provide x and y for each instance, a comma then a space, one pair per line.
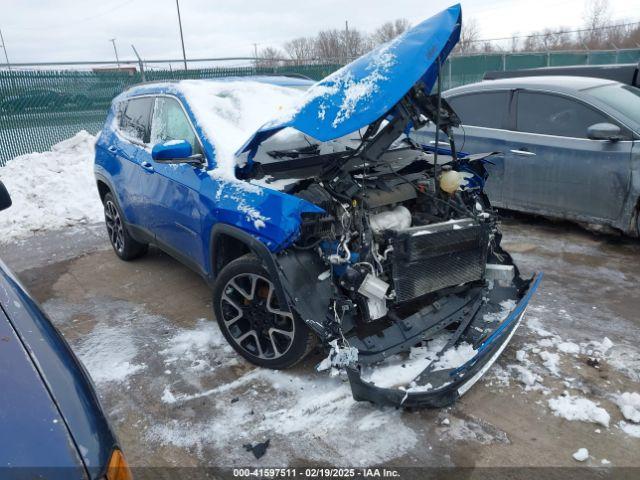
629, 405
579, 408
108, 355
581, 454
551, 361
629, 429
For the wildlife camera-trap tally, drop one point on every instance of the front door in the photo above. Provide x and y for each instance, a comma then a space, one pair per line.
172, 190
551, 167
132, 136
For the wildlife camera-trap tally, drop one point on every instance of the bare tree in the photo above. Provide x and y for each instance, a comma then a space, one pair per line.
597, 17
301, 50
340, 45
329, 46
549, 39
269, 57
469, 35
390, 30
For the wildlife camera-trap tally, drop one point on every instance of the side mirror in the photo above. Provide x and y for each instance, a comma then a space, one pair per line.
604, 131
5, 198
174, 151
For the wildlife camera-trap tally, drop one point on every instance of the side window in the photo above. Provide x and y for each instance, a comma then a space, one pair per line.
171, 123
555, 115
134, 118
489, 109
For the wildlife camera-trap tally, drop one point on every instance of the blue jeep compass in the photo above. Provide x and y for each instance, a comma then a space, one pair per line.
315, 217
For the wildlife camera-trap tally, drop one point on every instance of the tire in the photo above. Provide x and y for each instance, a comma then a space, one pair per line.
123, 244
246, 308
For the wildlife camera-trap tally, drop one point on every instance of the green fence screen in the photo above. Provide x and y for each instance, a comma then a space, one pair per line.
41, 108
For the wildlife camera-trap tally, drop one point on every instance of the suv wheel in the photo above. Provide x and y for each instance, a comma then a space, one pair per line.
246, 307
123, 244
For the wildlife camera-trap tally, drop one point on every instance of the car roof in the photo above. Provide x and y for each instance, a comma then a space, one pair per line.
556, 83
166, 86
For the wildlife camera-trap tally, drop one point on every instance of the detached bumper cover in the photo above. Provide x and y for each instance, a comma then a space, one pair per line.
459, 380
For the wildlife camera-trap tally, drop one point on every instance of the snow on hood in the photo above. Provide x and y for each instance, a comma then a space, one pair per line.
228, 112
368, 88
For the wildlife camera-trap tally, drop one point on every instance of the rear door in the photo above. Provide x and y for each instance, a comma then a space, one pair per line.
551, 167
484, 117
172, 190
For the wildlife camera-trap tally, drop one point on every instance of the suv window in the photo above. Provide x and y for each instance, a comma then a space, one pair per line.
134, 118
555, 115
487, 109
171, 123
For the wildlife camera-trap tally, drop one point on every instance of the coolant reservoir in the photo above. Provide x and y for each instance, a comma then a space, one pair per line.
450, 180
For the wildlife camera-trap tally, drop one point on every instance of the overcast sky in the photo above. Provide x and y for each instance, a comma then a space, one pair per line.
66, 30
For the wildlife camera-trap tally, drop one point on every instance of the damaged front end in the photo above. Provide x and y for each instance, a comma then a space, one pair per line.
401, 271
397, 265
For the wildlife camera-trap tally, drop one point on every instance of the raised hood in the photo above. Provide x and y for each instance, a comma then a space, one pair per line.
368, 88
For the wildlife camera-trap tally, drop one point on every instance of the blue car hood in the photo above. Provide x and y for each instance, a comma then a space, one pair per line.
368, 88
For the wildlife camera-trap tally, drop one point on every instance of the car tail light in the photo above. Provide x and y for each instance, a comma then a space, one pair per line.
118, 469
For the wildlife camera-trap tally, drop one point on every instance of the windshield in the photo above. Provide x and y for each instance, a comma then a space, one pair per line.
623, 98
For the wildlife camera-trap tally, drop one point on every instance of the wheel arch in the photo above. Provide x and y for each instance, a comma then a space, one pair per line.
103, 188
229, 242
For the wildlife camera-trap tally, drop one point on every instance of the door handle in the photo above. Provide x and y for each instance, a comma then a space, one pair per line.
524, 153
116, 151
147, 166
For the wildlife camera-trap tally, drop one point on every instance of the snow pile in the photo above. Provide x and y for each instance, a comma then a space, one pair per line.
579, 408
629, 405
51, 190
230, 112
581, 454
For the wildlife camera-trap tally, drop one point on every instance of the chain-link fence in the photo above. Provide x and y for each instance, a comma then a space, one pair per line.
40, 108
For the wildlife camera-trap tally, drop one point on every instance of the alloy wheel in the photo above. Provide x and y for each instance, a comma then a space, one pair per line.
253, 317
114, 226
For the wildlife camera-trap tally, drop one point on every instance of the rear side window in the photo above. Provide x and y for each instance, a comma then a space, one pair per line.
488, 109
171, 123
550, 114
135, 118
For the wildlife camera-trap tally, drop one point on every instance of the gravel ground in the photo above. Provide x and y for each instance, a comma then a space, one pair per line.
178, 395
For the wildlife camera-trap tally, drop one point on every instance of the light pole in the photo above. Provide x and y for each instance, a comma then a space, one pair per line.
113, 40
4, 47
184, 55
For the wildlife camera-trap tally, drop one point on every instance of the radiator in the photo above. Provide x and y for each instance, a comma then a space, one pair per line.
432, 257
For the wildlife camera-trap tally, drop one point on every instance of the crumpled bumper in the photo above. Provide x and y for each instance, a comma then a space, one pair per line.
454, 382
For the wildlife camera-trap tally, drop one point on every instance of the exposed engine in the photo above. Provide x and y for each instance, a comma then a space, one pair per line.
392, 235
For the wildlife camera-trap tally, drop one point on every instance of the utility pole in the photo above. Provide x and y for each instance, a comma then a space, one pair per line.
255, 54
346, 41
113, 40
4, 47
184, 55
